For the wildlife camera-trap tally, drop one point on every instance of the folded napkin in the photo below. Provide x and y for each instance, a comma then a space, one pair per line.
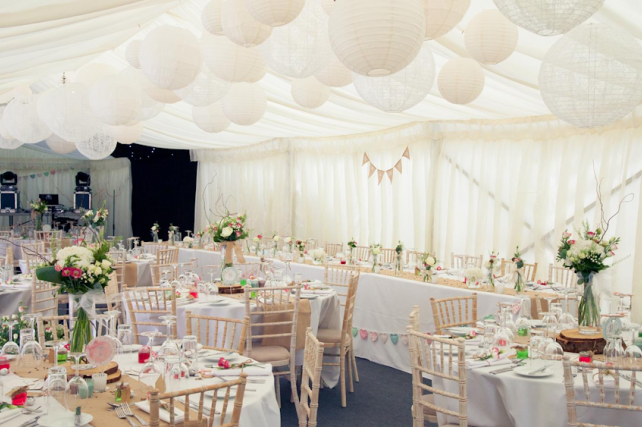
10, 414
179, 416
474, 341
318, 291
474, 363
253, 371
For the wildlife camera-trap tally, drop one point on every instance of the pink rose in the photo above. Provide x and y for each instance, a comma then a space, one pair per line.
571, 242
58, 268
76, 273
591, 234
21, 309
611, 253
238, 233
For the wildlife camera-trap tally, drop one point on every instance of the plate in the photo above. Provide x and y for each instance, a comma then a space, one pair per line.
221, 393
230, 276
524, 371
536, 323
461, 331
64, 420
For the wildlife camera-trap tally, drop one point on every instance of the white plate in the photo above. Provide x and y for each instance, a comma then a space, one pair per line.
65, 420
461, 331
536, 323
525, 371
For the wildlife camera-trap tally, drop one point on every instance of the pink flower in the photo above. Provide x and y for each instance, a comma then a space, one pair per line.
48, 329
238, 233
66, 272
495, 353
472, 333
76, 273
438, 268
21, 309
571, 242
614, 247
566, 234
591, 234
259, 236
611, 253
58, 268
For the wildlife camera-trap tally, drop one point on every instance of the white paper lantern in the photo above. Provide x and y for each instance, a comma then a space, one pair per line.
461, 80
170, 57
401, 90
309, 92
150, 108
211, 119
22, 122
211, 17
91, 73
115, 100
67, 112
3, 131
7, 141
21, 90
240, 27
300, 48
274, 13
490, 37
377, 37
205, 90
550, 17
245, 104
59, 145
99, 146
231, 62
127, 134
327, 5
443, 15
592, 76
334, 73
131, 53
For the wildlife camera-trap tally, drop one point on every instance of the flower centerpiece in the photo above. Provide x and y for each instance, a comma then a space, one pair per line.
171, 233
155, 229
288, 243
491, 268
375, 250
229, 231
96, 221
428, 261
519, 265
318, 256
586, 255
38, 208
188, 241
83, 273
399, 259
257, 243
352, 245
473, 276
300, 247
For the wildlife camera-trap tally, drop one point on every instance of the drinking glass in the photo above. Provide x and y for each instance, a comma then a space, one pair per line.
10, 348
550, 323
613, 350
125, 338
113, 320
632, 355
56, 386
30, 353
298, 278
556, 309
536, 339
77, 391
190, 350
31, 318
26, 335
150, 372
554, 351
173, 373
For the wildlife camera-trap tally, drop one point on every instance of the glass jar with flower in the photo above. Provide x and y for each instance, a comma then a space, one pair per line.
155, 229
428, 263
473, 276
257, 244
375, 251
491, 267
352, 247
399, 259
38, 209
95, 221
318, 256
300, 250
520, 286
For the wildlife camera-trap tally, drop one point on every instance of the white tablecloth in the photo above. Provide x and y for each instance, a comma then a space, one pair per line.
11, 296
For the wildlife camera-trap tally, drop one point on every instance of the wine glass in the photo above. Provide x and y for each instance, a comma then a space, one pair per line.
26, 334
77, 391
554, 351
10, 348
30, 353
533, 352
550, 323
125, 338
169, 347
56, 386
632, 355
113, 320
150, 372
31, 318
173, 373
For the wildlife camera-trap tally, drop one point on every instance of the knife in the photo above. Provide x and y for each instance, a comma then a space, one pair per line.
537, 371
30, 422
628, 378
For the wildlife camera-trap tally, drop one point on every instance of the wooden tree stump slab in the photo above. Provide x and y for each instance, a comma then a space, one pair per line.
572, 341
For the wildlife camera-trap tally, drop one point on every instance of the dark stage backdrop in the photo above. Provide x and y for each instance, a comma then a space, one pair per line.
164, 188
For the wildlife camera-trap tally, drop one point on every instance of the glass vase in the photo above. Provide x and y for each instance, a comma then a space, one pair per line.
38, 221
519, 281
398, 265
428, 275
227, 255
81, 333
589, 309
155, 236
375, 263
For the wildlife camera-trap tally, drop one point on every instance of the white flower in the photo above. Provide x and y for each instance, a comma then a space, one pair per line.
376, 250
474, 274
257, 240
98, 271
188, 239
154, 228
106, 264
227, 232
430, 261
318, 253
276, 238
287, 239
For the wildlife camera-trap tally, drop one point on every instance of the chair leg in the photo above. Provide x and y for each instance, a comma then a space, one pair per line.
342, 367
354, 362
277, 385
350, 383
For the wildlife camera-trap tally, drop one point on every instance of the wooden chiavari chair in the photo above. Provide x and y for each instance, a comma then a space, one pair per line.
462, 261
52, 322
387, 256
454, 311
167, 256
150, 302
48, 237
6, 254
310, 380
120, 259
154, 247
218, 333
342, 339
539, 308
361, 253
205, 419
562, 275
112, 290
428, 358
623, 395
249, 269
331, 249
161, 270
277, 314
530, 270
416, 254
33, 254
44, 297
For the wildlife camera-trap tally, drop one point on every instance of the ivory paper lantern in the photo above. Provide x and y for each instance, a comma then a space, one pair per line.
211, 119
59, 145
490, 37
115, 101
7, 141
21, 90
245, 104
22, 122
401, 90
150, 108
170, 57
205, 90
592, 76
131, 53
274, 13
550, 17
334, 73
300, 48
126, 134
98, 146
67, 112
211, 17
461, 80
443, 15
240, 27
231, 62
91, 73
3, 131
309, 92
377, 37
327, 5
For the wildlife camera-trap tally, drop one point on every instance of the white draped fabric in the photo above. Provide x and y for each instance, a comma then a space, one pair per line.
109, 177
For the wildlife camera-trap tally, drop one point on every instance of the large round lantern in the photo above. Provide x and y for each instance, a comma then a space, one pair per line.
490, 37
59, 145
592, 76
309, 92
245, 104
240, 27
127, 134
274, 13
170, 57
443, 15
115, 100
131, 53
211, 119
334, 73
231, 62
22, 122
67, 112
461, 80
327, 5
205, 90
377, 37
550, 17
149, 107
99, 145
7, 141
91, 73
211, 17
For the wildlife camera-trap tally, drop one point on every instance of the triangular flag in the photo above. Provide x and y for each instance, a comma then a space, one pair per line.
372, 170
380, 173
406, 153
365, 159
390, 172
399, 166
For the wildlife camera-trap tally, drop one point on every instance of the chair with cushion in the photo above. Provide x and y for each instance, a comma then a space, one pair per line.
310, 380
462, 261
454, 311
217, 333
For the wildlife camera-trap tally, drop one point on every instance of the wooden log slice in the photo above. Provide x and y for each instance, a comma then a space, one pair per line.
572, 341
110, 369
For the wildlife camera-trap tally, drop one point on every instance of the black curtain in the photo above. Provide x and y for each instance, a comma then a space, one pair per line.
164, 188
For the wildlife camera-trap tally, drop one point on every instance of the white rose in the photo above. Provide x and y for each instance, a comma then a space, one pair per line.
288, 239
376, 251
430, 261
98, 271
227, 232
488, 265
276, 238
106, 264
97, 217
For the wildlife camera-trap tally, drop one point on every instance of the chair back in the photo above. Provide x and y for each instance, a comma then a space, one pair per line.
5, 234
462, 261
158, 270
454, 311
539, 308
412, 256
361, 253
310, 380
623, 390
249, 269
339, 276
154, 247
54, 323
44, 297
217, 333
167, 256
387, 256
435, 357
112, 290
204, 416
509, 267
348, 313
331, 249
47, 237
6, 254
120, 259
562, 275
145, 305
33, 254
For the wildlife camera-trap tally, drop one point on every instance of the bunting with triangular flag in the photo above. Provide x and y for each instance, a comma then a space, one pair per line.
381, 172
390, 172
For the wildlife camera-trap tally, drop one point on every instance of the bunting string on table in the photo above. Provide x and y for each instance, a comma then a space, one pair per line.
382, 172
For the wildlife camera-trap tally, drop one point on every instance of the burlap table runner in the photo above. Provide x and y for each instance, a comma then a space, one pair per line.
131, 274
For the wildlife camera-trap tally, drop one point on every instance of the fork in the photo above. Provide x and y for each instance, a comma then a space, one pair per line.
128, 411
120, 413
